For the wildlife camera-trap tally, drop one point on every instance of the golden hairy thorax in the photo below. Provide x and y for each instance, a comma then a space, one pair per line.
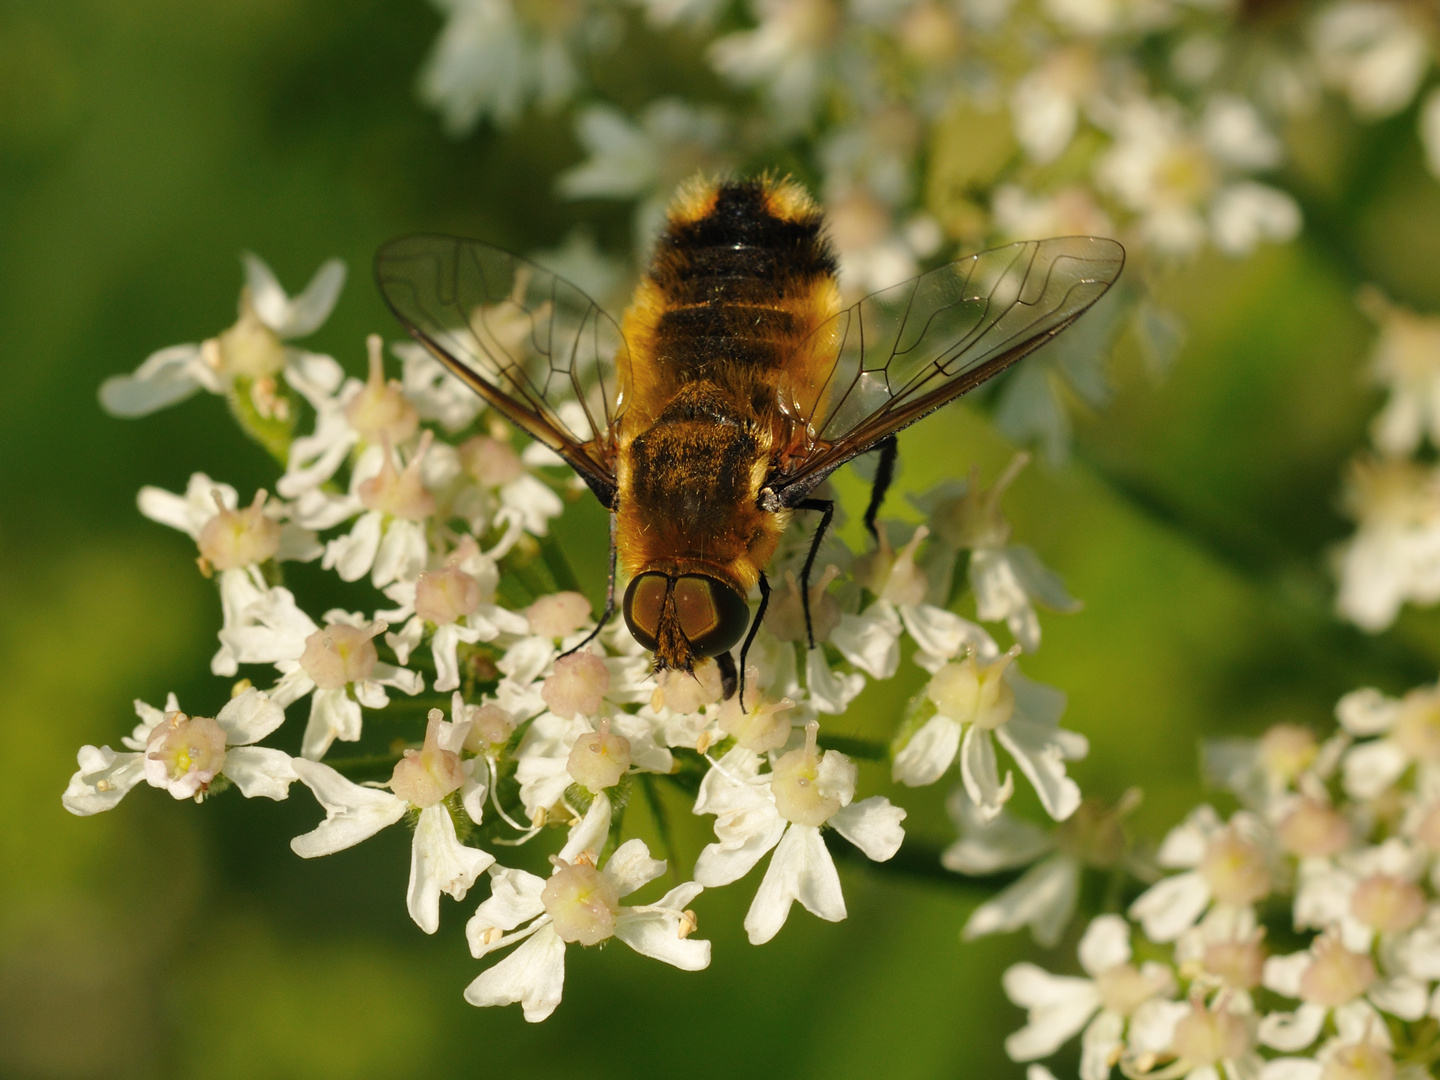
721, 331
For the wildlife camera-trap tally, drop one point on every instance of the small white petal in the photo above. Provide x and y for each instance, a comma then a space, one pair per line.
103, 779
1041, 756
165, 378
1283, 973
830, 691
655, 932
534, 975
870, 640
1043, 898
801, 869
439, 863
514, 898
631, 867
249, 717
1292, 1031
1059, 1006
1372, 767
985, 847
1170, 907
927, 755
872, 825
589, 833
1106, 944
352, 813
260, 772
333, 715
744, 838
1367, 712
979, 773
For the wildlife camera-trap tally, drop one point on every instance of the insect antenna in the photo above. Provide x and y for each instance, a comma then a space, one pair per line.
609, 598
755, 628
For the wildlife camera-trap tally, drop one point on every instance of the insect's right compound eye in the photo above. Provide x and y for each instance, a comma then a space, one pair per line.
644, 601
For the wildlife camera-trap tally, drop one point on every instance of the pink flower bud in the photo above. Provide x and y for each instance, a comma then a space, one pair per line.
340, 654
599, 759
582, 902
444, 596
424, 777
235, 538
558, 615
380, 411
577, 685
491, 462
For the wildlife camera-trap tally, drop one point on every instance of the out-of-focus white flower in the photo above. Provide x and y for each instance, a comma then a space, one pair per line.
787, 54
1430, 131
784, 809
645, 159
494, 57
1100, 18
422, 780
184, 755
1330, 979
252, 349
579, 903
1202, 1042
1071, 211
1406, 362
1394, 556
1230, 868
1409, 734
1044, 897
1045, 105
1183, 184
1007, 578
1059, 1006
388, 540
874, 254
1373, 52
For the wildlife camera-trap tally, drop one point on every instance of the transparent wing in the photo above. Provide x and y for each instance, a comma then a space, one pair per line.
905, 351
535, 347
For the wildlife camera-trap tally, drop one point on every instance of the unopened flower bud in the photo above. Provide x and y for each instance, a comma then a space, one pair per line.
581, 901
1336, 976
444, 596
558, 615
810, 788
490, 725
1388, 904
491, 462
1287, 750
424, 777
380, 410
577, 685
184, 754
399, 494
339, 654
688, 691
1205, 1037
249, 349
1314, 829
235, 538
969, 692
1359, 1061
599, 759
763, 725
1235, 869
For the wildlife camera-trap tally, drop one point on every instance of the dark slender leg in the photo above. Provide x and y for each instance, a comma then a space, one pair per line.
884, 472
827, 511
754, 628
609, 597
728, 683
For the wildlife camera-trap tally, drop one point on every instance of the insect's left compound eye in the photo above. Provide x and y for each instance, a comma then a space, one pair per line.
713, 615
644, 601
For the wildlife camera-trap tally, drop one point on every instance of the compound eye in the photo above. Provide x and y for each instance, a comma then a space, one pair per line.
644, 601
713, 615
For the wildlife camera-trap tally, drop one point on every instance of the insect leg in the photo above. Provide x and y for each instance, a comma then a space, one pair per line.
827, 511
754, 628
889, 449
726, 663
609, 597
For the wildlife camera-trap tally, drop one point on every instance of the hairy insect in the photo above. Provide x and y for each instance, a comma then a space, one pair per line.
734, 385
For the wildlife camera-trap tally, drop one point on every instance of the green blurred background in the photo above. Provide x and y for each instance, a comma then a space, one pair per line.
143, 145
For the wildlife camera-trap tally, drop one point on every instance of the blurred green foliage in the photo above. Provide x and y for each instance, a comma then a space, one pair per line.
143, 144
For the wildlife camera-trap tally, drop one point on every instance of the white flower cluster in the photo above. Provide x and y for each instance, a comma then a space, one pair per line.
1393, 492
932, 125
1299, 939
411, 493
